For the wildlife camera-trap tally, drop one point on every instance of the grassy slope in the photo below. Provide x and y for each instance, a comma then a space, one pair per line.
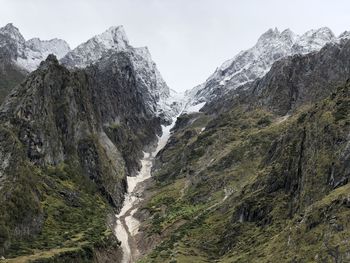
70, 212
262, 219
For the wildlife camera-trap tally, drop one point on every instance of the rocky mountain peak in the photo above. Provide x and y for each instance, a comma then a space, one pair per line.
113, 39
288, 36
50, 60
344, 35
117, 35
314, 40
268, 35
12, 32
28, 54
106, 46
255, 62
57, 46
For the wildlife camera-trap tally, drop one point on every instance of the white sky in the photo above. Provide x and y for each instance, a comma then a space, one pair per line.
188, 39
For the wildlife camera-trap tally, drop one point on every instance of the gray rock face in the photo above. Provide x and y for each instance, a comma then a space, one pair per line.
254, 63
299, 80
60, 114
292, 81
95, 122
160, 98
27, 55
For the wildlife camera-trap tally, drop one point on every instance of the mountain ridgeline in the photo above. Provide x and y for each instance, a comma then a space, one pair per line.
259, 174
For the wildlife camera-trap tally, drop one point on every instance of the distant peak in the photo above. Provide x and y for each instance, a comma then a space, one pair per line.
344, 35
269, 34
115, 34
13, 32
320, 32
287, 32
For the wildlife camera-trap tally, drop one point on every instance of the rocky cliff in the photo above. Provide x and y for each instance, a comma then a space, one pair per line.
160, 98
69, 138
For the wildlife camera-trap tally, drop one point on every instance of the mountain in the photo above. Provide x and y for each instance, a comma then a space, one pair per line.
248, 177
28, 54
255, 62
161, 101
292, 82
92, 50
260, 174
18, 56
69, 139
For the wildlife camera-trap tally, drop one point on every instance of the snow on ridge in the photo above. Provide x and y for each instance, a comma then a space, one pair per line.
255, 62
93, 49
29, 54
115, 39
12, 32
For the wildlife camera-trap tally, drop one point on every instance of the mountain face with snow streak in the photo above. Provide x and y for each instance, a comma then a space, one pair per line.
255, 62
114, 40
29, 54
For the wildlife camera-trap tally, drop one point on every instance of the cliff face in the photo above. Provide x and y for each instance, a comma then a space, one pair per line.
69, 138
10, 74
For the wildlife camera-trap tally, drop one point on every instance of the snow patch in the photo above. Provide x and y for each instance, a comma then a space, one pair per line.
127, 226
194, 108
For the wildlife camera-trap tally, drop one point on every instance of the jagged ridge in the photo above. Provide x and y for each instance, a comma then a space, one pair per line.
254, 63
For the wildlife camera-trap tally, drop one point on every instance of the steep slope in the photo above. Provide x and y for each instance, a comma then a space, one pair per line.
69, 138
254, 63
10, 75
243, 182
18, 56
253, 187
28, 54
161, 100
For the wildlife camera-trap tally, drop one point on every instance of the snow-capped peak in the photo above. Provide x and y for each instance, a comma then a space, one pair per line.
29, 54
344, 35
92, 50
114, 40
12, 32
255, 62
314, 40
114, 37
56, 46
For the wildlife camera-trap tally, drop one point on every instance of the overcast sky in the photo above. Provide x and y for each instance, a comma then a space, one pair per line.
188, 39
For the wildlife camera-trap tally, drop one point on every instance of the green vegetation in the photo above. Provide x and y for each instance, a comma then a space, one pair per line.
254, 187
69, 215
